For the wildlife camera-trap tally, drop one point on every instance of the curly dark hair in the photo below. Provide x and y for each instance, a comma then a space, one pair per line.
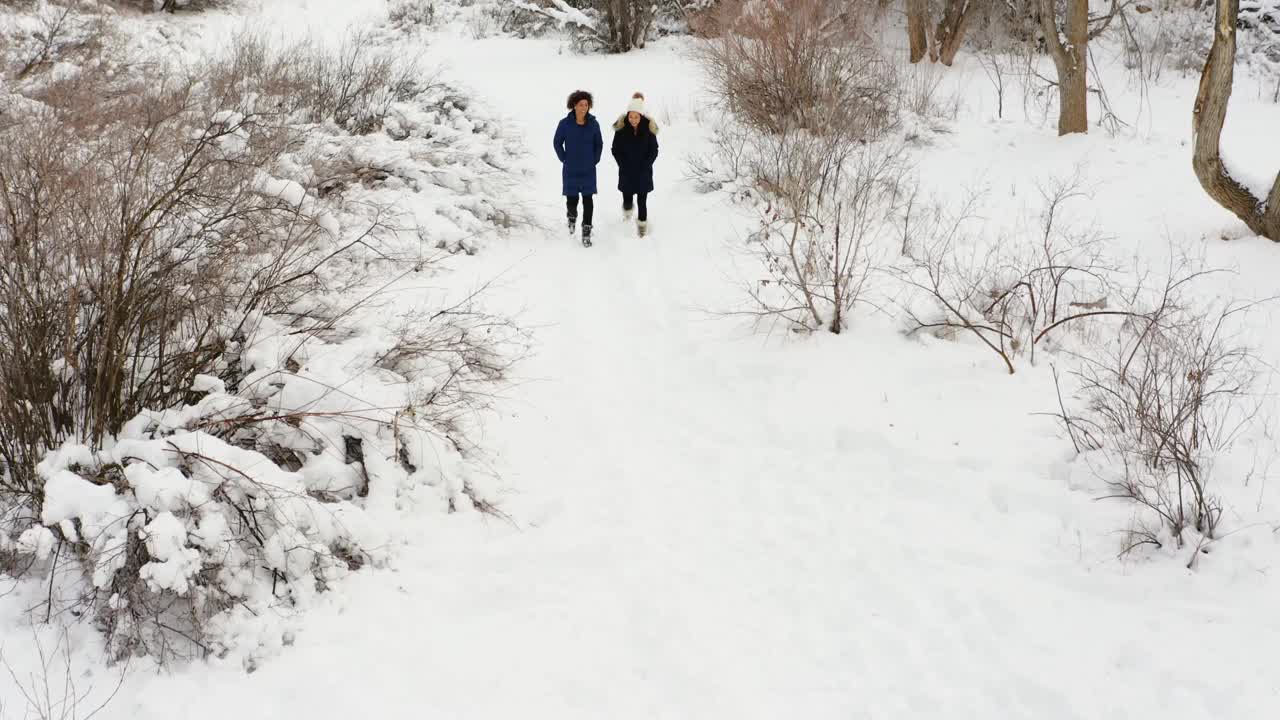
579, 95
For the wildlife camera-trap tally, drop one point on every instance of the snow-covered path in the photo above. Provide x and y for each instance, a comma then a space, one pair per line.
709, 524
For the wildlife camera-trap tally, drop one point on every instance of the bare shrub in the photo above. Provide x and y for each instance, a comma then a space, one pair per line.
461, 352
49, 690
807, 64
1159, 402
999, 68
829, 203
730, 162
1011, 300
353, 86
483, 22
918, 93
63, 33
1174, 38
807, 90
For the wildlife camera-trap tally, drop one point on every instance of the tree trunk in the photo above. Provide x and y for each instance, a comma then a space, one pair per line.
1071, 62
1262, 215
627, 24
918, 30
1073, 100
619, 35
643, 20
950, 33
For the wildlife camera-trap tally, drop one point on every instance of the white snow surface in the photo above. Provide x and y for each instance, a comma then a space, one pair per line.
706, 522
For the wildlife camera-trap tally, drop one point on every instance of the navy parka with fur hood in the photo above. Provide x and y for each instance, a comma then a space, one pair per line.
635, 149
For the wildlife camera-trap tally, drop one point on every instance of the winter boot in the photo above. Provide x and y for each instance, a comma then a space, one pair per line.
626, 214
642, 227
573, 222
586, 236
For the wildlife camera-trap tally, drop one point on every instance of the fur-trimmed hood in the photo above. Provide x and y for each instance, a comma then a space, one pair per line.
621, 122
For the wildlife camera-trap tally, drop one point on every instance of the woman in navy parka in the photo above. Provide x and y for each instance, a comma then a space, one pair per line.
579, 146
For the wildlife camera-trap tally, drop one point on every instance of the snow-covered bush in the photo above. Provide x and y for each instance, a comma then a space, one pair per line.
196, 518
208, 413
353, 85
51, 36
486, 18
1173, 38
170, 6
680, 17
590, 25
380, 125
175, 244
1259, 38
412, 15
1173, 35
613, 26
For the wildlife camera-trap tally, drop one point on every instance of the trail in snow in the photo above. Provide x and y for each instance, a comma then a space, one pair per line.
709, 525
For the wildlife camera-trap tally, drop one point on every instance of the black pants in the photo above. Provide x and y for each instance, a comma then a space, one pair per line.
641, 200
588, 207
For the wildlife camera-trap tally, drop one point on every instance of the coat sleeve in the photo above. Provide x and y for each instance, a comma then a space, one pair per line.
599, 144
653, 148
616, 148
559, 141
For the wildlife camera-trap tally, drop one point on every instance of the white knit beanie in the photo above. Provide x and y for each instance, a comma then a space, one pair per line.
637, 104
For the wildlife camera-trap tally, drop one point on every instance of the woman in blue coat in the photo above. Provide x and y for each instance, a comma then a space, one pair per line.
635, 147
579, 146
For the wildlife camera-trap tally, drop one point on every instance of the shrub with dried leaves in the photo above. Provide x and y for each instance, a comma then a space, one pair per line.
200, 422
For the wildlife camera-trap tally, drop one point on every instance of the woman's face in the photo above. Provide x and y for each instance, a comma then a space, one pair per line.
582, 107
634, 119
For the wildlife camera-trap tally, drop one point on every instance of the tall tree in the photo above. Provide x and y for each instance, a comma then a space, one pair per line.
626, 23
950, 33
948, 36
1070, 59
1262, 215
1068, 46
918, 30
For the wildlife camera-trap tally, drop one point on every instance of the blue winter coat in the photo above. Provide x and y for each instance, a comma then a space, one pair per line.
635, 149
579, 148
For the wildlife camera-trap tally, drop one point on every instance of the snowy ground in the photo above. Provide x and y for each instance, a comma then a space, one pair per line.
709, 523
